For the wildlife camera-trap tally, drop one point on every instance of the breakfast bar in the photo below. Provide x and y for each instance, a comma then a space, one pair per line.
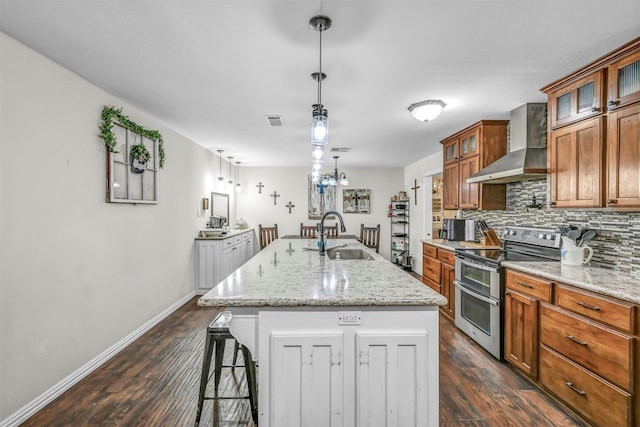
342, 339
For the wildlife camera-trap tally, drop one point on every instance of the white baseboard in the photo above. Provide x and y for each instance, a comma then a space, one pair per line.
48, 396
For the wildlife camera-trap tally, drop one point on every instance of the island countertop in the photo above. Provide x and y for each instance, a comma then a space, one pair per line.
285, 274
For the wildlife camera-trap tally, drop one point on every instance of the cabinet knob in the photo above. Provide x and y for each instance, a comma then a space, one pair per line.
612, 201
595, 109
552, 203
612, 104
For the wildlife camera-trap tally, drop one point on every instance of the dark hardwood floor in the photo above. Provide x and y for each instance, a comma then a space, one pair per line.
155, 381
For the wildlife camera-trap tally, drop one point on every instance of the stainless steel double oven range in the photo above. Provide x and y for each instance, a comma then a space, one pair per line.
480, 286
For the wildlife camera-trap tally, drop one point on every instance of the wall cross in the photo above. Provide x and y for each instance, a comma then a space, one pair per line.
415, 191
260, 185
289, 205
274, 195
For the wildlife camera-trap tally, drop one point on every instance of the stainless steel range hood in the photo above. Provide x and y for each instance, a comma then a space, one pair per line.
527, 157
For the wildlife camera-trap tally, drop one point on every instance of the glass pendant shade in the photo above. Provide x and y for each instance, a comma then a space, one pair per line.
238, 185
317, 153
343, 179
320, 127
427, 110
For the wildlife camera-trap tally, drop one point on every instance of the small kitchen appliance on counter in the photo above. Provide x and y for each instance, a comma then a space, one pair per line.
458, 229
479, 281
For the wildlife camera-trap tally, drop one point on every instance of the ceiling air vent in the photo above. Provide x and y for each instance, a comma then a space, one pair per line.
340, 149
275, 120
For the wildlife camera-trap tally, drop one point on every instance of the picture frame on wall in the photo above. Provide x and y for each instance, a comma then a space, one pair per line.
321, 199
356, 201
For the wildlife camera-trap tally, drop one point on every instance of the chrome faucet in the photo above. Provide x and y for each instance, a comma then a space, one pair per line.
342, 228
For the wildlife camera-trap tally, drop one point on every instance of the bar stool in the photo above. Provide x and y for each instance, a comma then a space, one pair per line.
217, 335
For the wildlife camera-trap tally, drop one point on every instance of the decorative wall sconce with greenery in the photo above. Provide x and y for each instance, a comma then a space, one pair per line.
134, 156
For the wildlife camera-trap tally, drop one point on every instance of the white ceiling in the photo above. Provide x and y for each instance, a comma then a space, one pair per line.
212, 69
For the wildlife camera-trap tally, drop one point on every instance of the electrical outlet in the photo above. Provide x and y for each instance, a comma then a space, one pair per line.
346, 318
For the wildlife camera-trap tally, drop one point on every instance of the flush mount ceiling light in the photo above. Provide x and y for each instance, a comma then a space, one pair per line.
319, 115
427, 110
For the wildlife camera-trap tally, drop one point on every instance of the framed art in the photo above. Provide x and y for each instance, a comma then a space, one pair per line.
356, 201
321, 199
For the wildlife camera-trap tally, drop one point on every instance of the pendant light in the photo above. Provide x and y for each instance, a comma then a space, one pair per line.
230, 182
238, 186
319, 115
220, 178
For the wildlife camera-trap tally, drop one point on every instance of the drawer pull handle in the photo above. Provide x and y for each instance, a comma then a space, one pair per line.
572, 387
526, 285
576, 340
591, 307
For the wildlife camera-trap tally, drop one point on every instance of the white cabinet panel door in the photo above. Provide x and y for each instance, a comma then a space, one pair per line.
392, 379
306, 380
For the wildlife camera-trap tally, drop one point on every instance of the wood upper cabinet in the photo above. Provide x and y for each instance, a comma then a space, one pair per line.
575, 156
479, 145
577, 100
624, 81
470, 143
451, 151
593, 153
450, 180
623, 142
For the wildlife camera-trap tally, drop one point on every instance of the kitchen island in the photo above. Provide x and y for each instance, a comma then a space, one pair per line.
349, 342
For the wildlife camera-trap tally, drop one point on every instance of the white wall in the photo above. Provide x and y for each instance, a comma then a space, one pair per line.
420, 228
77, 274
291, 183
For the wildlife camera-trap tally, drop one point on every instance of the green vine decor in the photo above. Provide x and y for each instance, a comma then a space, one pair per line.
111, 114
140, 152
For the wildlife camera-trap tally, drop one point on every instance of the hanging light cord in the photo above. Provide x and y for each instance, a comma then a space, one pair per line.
320, 73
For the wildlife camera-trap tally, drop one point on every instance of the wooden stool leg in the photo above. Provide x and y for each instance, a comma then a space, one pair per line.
252, 385
217, 373
204, 377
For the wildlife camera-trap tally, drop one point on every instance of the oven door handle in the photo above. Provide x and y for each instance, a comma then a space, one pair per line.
475, 265
475, 295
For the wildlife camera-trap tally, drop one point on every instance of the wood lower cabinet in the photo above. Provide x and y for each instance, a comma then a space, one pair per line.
583, 347
597, 400
623, 141
521, 320
438, 272
576, 165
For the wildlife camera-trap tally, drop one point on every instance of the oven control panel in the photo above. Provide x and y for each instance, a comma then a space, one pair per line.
532, 235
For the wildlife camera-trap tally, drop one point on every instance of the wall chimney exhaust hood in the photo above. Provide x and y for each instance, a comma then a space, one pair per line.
527, 156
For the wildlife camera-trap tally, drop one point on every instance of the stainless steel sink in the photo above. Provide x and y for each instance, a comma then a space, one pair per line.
348, 253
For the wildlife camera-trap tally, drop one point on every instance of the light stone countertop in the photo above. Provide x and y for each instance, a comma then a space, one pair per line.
286, 275
230, 233
604, 281
453, 245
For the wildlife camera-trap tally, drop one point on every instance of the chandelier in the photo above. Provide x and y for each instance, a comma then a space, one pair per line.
333, 178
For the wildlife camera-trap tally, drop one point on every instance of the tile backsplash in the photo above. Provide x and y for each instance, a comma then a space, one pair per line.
616, 246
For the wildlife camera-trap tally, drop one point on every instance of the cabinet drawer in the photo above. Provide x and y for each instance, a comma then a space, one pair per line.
602, 350
227, 243
237, 239
614, 313
595, 398
430, 251
446, 256
246, 236
431, 269
529, 285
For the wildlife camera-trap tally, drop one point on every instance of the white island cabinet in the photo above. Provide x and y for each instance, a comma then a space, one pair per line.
217, 257
337, 342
